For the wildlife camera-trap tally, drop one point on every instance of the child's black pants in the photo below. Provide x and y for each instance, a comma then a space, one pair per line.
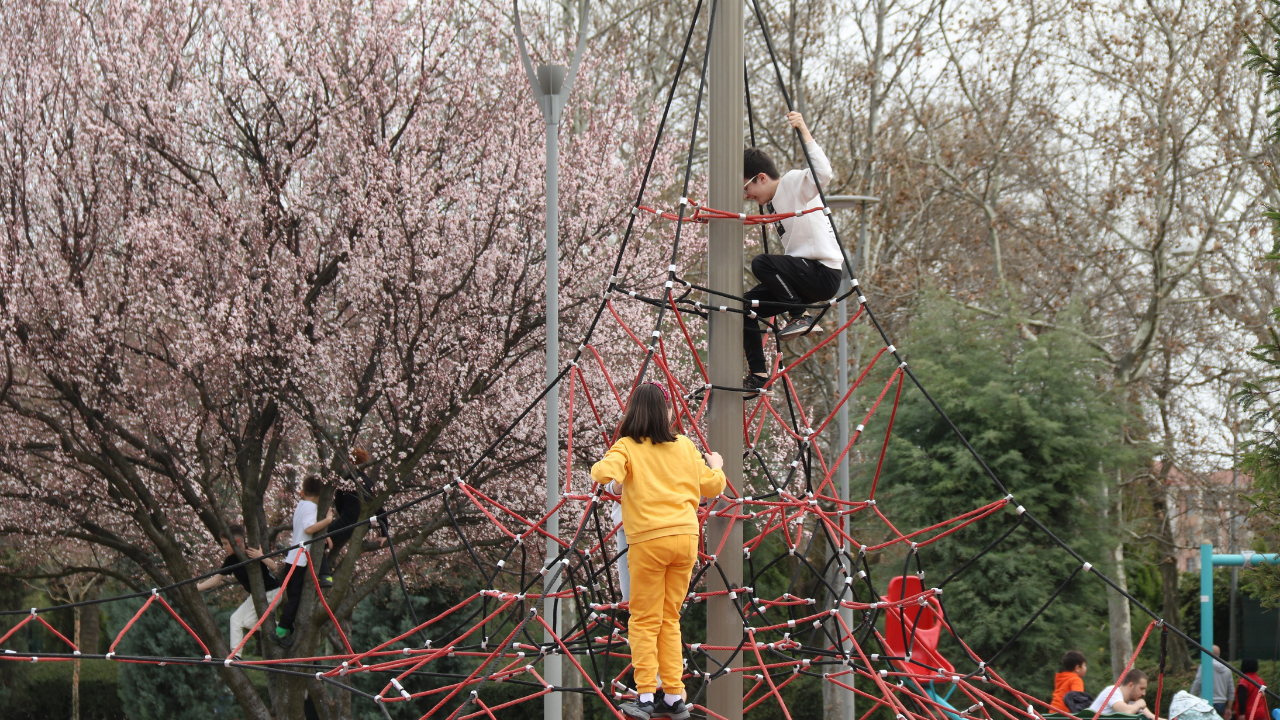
787, 279
293, 596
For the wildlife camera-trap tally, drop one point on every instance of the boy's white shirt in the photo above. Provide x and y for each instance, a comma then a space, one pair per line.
304, 516
808, 236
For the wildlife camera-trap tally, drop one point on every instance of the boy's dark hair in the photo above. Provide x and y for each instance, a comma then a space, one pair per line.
1072, 660
756, 161
646, 416
1133, 676
1249, 665
312, 485
237, 531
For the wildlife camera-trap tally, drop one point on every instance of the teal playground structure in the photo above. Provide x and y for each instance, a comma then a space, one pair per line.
1208, 561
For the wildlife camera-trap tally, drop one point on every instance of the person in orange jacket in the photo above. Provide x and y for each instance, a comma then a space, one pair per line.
1069, 679
662, 477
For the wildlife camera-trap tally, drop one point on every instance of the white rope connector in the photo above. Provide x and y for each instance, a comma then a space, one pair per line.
862, 299
892, 348
742, 216
860, 426
226, 663
108, 657
826, 210
668, 284
501, 563
403, 693
635, 211
657, 333
206, 657
684, 201
1021, 509
724, 308
1088, 567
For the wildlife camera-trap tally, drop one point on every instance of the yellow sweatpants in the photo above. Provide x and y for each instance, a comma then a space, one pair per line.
660, 571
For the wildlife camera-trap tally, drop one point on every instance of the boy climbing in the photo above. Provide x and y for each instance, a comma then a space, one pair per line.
809, 269
245, 616
662, 475
305, 526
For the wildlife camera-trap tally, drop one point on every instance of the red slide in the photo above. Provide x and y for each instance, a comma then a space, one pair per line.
898, 632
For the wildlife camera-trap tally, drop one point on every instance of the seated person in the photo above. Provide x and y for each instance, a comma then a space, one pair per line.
1069, 679
1126, 698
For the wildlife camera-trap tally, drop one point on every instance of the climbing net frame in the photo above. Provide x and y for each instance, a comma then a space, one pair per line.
783, 638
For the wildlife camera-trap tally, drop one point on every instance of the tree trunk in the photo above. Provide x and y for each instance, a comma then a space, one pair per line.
90, 625
1120, 622
1179, 661
75, 672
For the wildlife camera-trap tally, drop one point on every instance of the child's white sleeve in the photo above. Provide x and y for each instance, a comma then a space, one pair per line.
821, 168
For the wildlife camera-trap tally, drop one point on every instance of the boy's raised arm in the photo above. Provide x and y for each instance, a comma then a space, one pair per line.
821, 165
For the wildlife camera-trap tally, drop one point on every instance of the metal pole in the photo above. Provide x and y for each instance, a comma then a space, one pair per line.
724, 425
551, 77
1206, 621
551, 86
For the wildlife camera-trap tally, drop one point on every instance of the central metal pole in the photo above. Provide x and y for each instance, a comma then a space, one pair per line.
724, 425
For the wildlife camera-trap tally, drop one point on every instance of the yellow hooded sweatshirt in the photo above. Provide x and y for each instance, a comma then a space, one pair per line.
661, 485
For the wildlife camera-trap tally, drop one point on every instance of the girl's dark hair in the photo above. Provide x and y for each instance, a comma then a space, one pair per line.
646, 416
1249, 665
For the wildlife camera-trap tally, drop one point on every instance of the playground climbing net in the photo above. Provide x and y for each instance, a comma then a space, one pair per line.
831, 632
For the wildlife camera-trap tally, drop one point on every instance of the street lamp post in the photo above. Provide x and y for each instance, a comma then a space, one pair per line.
551, 85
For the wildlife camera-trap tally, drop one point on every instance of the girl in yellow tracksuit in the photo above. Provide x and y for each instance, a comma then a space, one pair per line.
662, 476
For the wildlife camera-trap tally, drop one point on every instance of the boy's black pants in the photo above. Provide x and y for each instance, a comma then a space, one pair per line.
786, 279
293, 596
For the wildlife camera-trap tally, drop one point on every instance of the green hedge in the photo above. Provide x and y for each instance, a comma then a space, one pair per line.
43, 690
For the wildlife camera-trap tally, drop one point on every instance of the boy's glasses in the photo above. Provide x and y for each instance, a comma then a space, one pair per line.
747, 184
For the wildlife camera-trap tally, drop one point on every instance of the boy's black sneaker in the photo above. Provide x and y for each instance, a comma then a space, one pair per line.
639, 710
755, 383
798, 326
678, 711
326, 582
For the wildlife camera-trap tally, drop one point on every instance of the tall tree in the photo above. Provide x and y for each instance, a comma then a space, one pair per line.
239, 241
1033, 410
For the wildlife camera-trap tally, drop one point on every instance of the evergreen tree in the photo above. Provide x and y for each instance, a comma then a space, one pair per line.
153, 692
1033, 408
